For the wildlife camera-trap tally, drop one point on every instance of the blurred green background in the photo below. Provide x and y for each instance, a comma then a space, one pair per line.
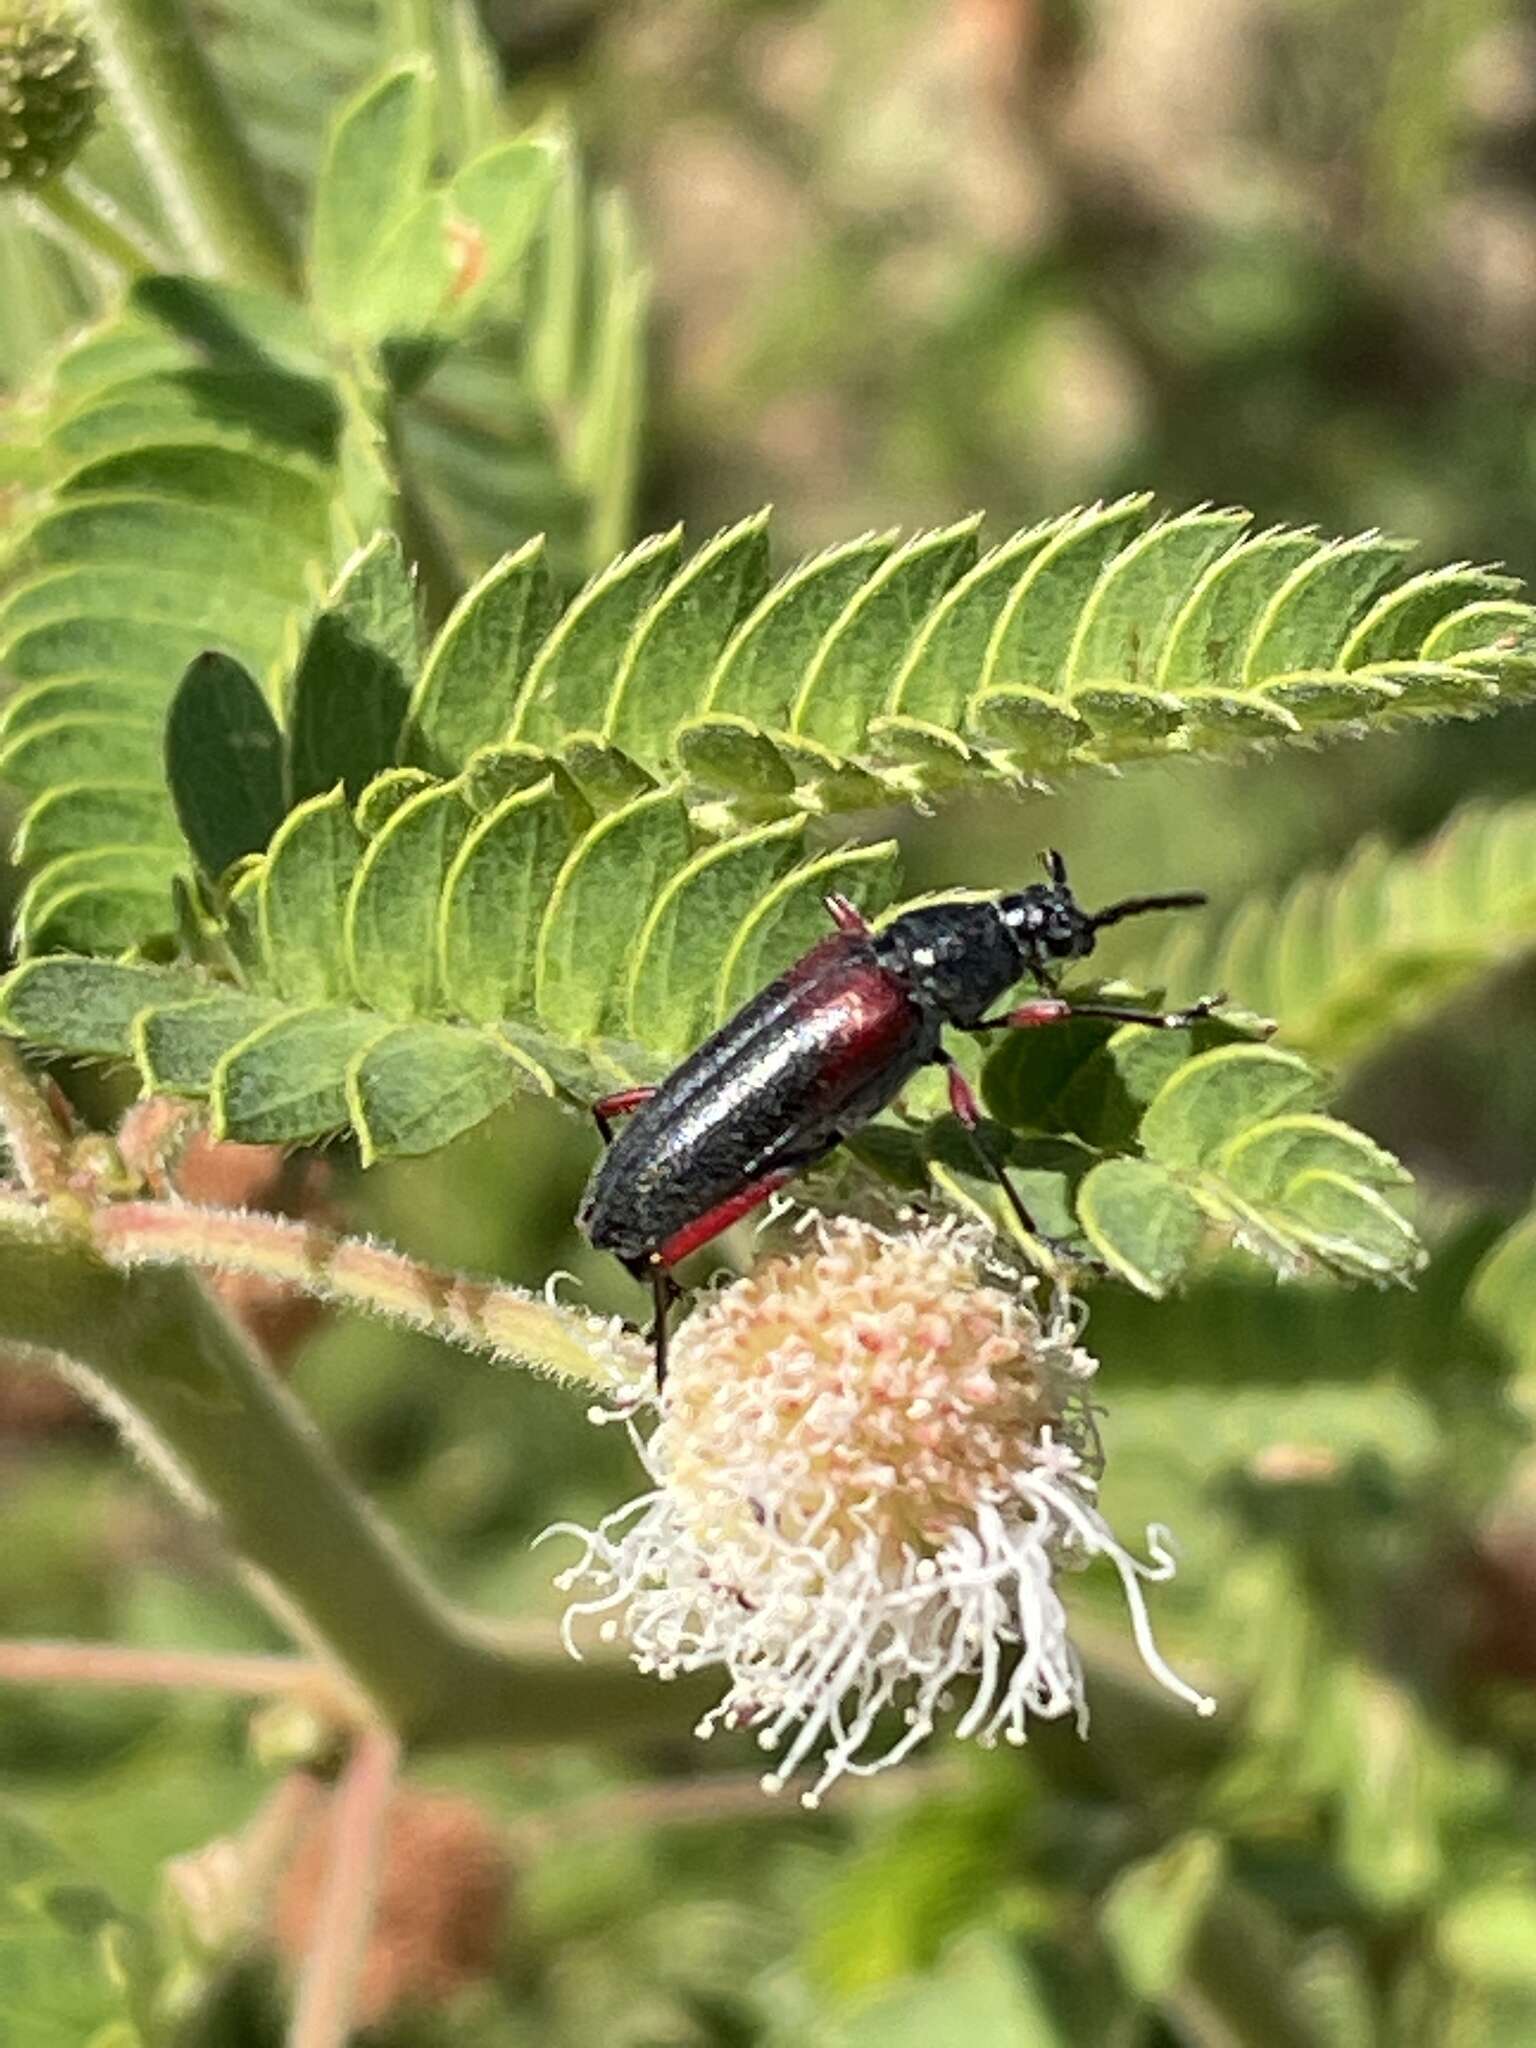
912, 258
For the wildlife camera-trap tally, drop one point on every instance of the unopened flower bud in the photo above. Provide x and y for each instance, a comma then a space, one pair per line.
873, 1458
48, 93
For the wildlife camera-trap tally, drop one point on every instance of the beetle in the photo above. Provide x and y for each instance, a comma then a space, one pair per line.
823, 1049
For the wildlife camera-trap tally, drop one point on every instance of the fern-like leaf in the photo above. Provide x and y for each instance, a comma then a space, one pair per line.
1346, 960
881, 669
186, 486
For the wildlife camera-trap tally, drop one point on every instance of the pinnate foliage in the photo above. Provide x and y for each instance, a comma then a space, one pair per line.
201, 461
538, 851
1349, 958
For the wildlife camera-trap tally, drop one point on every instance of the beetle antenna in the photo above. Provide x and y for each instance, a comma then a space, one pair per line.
1133, 906
1055, 865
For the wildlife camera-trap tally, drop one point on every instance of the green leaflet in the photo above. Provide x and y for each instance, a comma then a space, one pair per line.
1299, 628
281, 491
1200, 1105
376, 166
1348, 1224
1140, 1222
680, 636
177, 1046
76, 697
81, 747
587, 935
1034, 631
390, 926
1397, 626
605, 775
1264, 1160
224, 763
95, 901
854, 667
301, 897
1208, 641
470, 682
434, 267
947, 655
287, 1081
1127, 620
756, 675
494, 896
128, 622
94, 813
354, 681
420, 1085
571, 677
111, 528
728, 753
671, 994
86, 1006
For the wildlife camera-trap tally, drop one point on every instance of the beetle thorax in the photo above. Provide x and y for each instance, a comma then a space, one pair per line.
957, 958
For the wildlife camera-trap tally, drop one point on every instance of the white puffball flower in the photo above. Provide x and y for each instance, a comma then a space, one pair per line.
871, 1462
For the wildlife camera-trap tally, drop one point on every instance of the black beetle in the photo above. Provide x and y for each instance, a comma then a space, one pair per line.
825, 1048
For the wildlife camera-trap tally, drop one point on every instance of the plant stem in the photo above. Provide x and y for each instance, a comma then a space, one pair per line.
156, 1354
90, 223
327, 1994
479, 1315
192, 148
106, 1664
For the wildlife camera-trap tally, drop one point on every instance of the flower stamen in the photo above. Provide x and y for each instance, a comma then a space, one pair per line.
873, 1460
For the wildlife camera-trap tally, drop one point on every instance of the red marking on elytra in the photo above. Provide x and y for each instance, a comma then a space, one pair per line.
703, 1228
874, 1018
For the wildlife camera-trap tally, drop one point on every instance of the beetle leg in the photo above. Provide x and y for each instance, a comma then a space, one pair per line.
847, 916
962, 1100
1056, 1009
664, 1291
609, 1106
723, 1215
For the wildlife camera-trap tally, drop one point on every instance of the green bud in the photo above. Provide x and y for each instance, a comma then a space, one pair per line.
48, 94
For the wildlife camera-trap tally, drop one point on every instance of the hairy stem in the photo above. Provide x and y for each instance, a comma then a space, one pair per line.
327, 1994
156, 1355
479, 1315
193, 149
106, 1664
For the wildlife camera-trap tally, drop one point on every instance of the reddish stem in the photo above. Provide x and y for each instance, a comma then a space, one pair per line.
327, 1993
104, 1664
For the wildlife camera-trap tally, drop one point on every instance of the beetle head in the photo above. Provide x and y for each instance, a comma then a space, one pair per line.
1050, 927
